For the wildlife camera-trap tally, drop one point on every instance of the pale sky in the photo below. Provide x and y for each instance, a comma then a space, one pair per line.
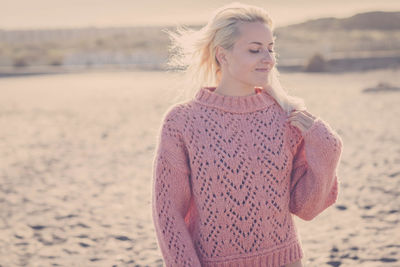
32, 14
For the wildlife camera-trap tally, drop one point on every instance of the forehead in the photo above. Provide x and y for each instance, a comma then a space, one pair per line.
254, 32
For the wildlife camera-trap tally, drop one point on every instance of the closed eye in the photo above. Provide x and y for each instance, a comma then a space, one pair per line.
257, 51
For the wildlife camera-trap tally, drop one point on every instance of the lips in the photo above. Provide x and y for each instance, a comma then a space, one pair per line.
263, 70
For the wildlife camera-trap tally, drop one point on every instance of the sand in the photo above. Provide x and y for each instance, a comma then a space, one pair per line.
76, 155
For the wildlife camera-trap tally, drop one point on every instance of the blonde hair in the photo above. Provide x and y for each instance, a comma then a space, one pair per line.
193, 52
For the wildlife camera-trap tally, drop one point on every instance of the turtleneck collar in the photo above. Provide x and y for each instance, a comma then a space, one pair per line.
237, 104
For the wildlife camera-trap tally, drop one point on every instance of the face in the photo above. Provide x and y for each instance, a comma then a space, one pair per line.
251, 59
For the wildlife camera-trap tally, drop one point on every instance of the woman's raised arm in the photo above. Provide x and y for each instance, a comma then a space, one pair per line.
314, 182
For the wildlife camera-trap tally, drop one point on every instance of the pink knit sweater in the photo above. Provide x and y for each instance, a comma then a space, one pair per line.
229, 174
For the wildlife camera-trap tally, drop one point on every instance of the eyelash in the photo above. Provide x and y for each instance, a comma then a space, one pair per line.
252, 51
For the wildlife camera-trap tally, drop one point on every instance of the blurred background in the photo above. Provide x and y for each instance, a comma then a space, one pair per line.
83, 87
59, 36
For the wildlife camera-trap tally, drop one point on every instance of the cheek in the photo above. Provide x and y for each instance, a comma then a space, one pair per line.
245, 63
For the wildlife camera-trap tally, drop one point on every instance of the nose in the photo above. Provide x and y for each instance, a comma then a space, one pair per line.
268, 57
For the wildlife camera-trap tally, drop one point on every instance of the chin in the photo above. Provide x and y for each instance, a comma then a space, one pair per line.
262, 82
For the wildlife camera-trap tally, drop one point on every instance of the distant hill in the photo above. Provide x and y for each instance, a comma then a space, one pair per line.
363, 41
376, 20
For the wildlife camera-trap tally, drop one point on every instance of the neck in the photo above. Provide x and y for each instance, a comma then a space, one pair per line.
234, 89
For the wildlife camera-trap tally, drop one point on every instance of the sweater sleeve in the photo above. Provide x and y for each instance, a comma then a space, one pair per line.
171, 195
314, 181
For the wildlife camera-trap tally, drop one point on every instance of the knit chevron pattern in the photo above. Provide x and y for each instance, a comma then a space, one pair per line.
229, 173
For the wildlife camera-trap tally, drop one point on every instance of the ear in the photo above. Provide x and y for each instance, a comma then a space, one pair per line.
220, 55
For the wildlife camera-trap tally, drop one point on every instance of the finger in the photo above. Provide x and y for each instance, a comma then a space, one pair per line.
303, 118
297, 115
297, 124
306, 117
295, 120
308, 113
311, 115
294, 113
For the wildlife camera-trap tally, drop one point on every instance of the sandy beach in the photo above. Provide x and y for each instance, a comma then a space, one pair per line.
76, 154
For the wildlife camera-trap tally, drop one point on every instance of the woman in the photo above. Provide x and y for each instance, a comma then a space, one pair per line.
236, 162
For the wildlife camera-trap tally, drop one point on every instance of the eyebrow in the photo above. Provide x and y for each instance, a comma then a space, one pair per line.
260, 43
